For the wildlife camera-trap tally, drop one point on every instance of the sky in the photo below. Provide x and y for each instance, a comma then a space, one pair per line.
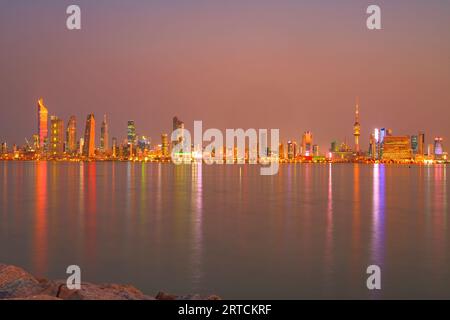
288, 64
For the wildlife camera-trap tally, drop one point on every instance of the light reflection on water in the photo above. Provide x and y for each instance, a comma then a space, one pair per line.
309, 232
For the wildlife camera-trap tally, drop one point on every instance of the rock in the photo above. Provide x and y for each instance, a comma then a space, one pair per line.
164, 296
16, 283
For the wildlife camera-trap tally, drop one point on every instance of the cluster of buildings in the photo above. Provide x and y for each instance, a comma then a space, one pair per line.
55, 141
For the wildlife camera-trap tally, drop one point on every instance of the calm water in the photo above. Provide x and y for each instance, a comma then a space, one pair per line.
309, 232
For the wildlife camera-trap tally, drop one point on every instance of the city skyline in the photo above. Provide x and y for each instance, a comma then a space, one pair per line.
210, 62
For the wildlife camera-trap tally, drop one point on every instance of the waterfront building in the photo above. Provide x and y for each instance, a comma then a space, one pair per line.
438, 148
89, 137
71, 136
315, 150
104, 136
415, 144
421, 144
164, 146
357, 129
56, 146
114, 147
131, 132
42, 124
178, 124
307, 144
397, 148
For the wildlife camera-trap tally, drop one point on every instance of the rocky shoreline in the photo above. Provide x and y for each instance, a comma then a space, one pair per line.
17, 284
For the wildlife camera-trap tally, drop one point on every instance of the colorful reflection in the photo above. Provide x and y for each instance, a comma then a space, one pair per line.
40, 241
378, 215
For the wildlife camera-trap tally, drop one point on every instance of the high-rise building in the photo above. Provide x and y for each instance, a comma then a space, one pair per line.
89, 137
415, 144
144, 143
131, 132
291, 150
56, 145
421, 144
178, 124
80, 146
373, 146
104, 136
281, 154
307, 144
114, 147
430, 150
42, 123
4, 149
315, 150
357, 128
71, 136
164, 145
397, 148
438, 148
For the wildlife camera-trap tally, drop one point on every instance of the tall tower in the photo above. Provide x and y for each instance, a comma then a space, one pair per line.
307, 144
71, 135
357, 128
104, 135
89, 137
164, 145
56, 136
131, 132
178, 124
42, 123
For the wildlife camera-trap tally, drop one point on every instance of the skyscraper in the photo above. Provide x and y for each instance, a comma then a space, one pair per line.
42, 123
114, 147
104, 135
56, 146
178, 124
89, 137
415, 144
131, 132
164, 145
307, 144
421, 144
71, 135
357, 128
438, 148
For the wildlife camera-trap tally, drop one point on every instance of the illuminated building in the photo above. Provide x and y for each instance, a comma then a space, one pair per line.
89, 137
334, 147
4, 148
382, 135
397, 148
164, 145
291, 150
372, 146
357, 129
307, 143
71, 136
430, 150
438, 148
421, 144
415, 144
143, 143
315, 150
104, 136
131, 132
114, 147
56, 145
281, 151
42, 123
178, 124
81, 146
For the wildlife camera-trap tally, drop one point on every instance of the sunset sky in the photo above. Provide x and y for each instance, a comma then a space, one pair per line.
288, 64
